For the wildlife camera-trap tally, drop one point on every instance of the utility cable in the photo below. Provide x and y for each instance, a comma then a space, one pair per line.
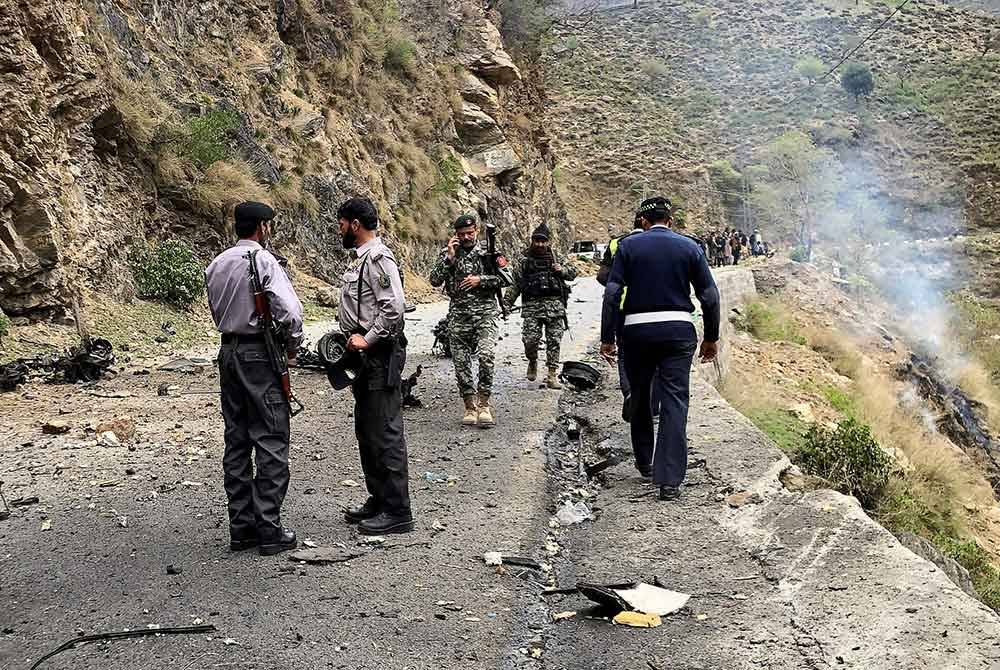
853, 51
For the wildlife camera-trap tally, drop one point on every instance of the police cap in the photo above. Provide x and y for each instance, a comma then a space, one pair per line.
252, 212
654, 205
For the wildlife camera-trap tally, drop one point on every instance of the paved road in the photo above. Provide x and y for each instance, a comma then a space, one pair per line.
103, 565
791, 581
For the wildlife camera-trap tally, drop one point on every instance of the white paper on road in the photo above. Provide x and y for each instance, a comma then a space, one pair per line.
650, 599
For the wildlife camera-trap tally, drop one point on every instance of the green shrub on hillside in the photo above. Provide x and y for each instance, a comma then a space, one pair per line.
810, 67
169, 272
4, 326
850, 458
842, 401
450, 176
208, 137
786, 429
858, 80
799, 255
976, 560
769, 323
400, 56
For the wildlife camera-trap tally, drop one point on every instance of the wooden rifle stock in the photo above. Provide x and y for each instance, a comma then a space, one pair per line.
265, 320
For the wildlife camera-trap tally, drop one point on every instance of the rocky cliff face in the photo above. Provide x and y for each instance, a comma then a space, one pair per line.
131, 120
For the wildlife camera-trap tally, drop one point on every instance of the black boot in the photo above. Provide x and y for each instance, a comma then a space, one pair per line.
369, 510
669, 493
243, 542
385, 524
284, 541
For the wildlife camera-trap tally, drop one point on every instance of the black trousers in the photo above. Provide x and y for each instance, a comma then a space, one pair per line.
378, 425
661, 370
257, 426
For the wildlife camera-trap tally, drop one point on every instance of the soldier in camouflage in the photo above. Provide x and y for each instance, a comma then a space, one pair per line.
464, 271
540, 281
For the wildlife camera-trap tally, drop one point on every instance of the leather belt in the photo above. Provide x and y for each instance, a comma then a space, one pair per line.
657, 317
237, 338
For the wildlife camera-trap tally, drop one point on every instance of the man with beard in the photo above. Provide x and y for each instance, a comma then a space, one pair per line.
371, 315
254, 407
464, 270
539, 281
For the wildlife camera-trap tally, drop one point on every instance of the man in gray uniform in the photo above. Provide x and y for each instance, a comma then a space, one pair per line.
371, 315
254, 406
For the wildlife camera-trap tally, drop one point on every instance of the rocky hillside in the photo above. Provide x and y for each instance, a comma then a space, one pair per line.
128, 121
646, 99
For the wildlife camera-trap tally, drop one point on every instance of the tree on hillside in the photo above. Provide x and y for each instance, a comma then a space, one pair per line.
857, 80
794, 184
527, 24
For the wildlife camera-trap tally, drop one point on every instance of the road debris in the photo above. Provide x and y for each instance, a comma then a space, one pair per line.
187, 366
601, 466
440, 478
324, 555
55, 427
581, 376
632, 597
46, 524
637, 620
493, 558
145, 632
742, 498
562, 616
410, 383
570, 514
87, 362
174, 570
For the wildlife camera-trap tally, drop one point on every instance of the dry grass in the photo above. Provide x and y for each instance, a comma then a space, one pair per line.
288, 194
143, 112
224, 184
941, 476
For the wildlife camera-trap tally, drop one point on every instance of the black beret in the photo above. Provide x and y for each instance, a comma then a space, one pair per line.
465, 221
253, 212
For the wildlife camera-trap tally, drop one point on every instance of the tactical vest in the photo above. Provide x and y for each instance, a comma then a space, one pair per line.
539, 281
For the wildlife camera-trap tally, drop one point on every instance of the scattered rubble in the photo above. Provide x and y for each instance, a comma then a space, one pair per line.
570, 514
55, 427
87, 362
324, 555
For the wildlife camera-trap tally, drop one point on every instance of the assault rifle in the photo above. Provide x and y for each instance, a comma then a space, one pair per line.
274, 337
497, 266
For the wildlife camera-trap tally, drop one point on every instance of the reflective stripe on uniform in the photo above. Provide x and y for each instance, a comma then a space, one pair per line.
657, 317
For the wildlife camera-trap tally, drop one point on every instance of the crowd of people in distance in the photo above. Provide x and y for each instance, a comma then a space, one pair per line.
727, 247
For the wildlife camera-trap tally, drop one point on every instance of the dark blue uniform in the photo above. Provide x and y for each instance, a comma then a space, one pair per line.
659, 268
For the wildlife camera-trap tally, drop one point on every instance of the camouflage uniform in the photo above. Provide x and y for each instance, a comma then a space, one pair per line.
538, 313
472, 316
